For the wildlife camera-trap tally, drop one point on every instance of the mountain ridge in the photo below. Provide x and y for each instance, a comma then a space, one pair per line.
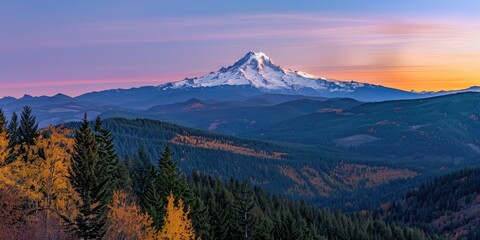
260, 73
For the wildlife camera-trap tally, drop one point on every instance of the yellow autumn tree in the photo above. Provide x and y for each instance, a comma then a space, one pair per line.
176, 226
55, 160
127, 221
40, 172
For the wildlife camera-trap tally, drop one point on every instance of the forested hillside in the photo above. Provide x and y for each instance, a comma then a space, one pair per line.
60, 184
294, 170
444, 129
448, 205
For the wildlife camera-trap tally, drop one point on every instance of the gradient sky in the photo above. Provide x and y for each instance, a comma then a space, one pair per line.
74, 47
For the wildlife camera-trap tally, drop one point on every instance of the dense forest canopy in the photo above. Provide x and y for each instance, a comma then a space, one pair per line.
448, 205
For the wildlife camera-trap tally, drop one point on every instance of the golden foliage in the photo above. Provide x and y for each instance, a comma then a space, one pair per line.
177, 225
354, 175
202, 142
43, 177
127, 221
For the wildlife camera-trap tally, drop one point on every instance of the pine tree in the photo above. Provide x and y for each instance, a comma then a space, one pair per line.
170, 180
27, 133
199, 213
141, 172
245, 203
289, 229
264, 229
167, 179
90, 222
12, 137
13, 129
153, 202
111, 170
230, 227
4, 151
28, 129
3, 122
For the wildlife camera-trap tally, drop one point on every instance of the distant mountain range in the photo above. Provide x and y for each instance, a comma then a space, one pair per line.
254, 80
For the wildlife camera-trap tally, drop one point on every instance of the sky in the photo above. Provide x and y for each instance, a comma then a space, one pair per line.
73, 47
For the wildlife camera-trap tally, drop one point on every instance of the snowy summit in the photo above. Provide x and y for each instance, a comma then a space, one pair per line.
257, 70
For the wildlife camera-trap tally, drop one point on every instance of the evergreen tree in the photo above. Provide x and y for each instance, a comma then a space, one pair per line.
28, 129
111, 169
27, 132
230, 227
141, 172
153, 201
170, 180
289, 229
3, 122
13, 131
245, 203
264, 229
90, 221
167, 180
199, 213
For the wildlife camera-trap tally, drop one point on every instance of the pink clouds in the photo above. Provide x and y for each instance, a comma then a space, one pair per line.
231, 27
326, 44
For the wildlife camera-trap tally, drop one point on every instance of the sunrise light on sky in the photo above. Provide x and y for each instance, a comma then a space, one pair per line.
49, 46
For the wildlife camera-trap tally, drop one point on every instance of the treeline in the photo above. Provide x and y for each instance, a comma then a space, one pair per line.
235, 209
448, 205
59, 184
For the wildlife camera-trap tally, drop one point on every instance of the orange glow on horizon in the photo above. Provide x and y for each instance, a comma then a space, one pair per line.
449, 72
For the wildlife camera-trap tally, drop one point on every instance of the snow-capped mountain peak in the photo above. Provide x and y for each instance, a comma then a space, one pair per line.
257, 70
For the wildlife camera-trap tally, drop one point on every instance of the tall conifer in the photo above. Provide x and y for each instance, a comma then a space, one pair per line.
167, 180
28, 128
3, 121
13, 130
90, 222
142, 171
245, 203
170, 180
111, 169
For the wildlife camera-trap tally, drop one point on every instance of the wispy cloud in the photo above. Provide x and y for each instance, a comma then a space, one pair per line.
231, 27
380, 49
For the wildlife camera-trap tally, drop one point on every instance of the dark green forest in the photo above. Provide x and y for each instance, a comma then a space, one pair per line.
448, 205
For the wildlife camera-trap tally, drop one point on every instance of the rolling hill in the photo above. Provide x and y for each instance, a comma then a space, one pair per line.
445, 128
235, 117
